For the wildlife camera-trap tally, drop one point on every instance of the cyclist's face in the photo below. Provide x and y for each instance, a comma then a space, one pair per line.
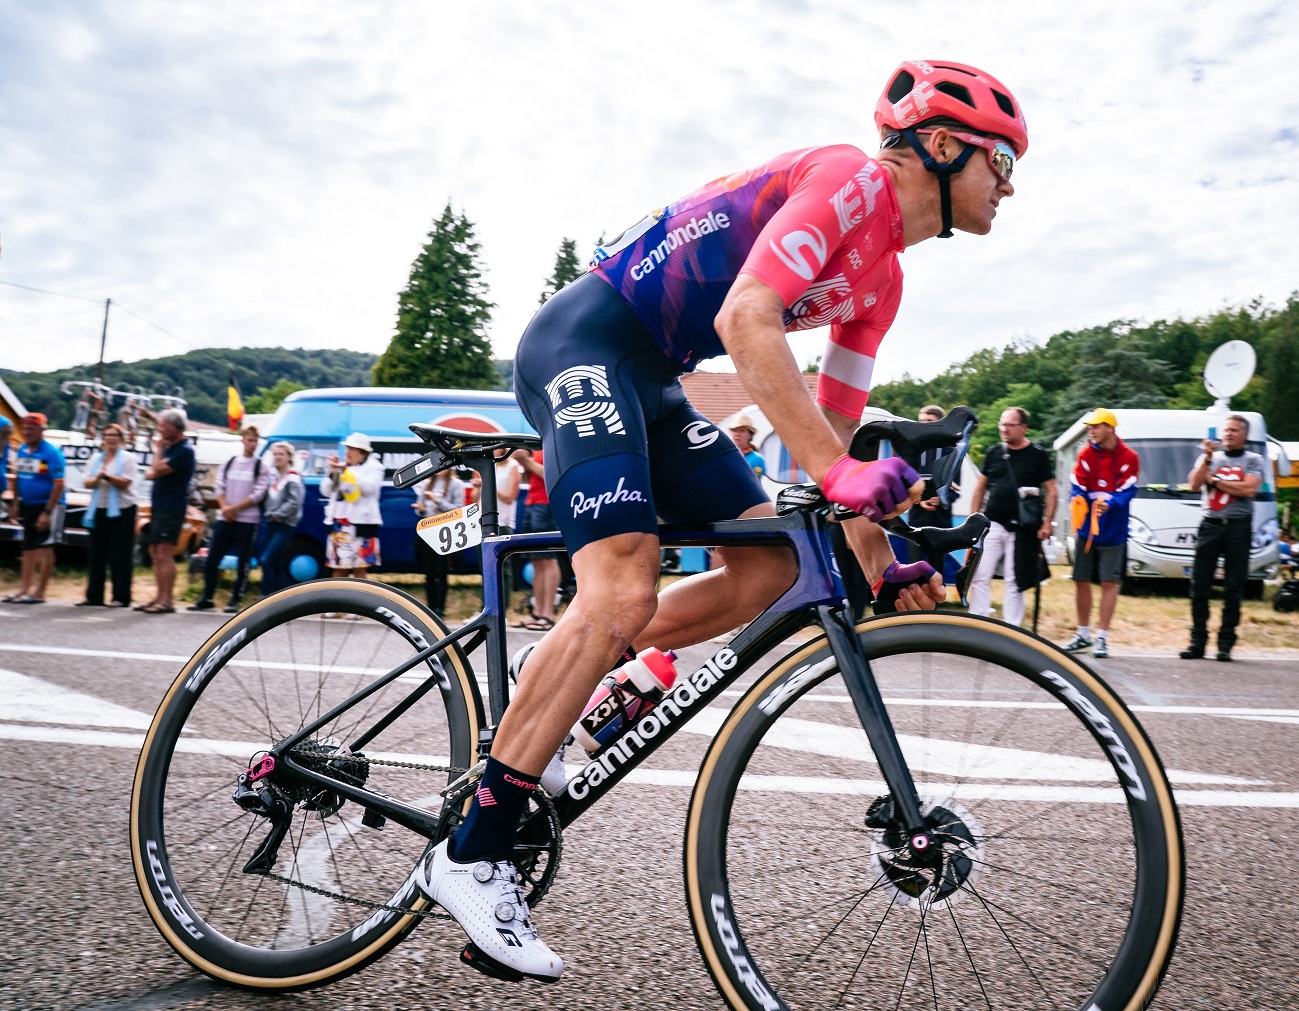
976, 192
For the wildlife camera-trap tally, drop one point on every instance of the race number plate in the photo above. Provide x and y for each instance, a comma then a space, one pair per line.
449, 532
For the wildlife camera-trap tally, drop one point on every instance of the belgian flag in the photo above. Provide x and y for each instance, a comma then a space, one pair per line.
234, 406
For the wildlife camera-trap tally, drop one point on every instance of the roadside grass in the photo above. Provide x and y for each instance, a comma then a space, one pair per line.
1144, 622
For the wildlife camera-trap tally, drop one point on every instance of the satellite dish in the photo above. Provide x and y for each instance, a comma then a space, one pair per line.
1229, 369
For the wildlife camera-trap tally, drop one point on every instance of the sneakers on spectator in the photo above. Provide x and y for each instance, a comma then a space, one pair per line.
202, 604
1077, 644
1102, 649
485, 899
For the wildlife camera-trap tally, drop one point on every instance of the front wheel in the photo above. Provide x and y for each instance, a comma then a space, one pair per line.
1058, 877
279, 885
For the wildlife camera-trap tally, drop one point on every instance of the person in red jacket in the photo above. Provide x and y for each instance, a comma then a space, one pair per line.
1104, 483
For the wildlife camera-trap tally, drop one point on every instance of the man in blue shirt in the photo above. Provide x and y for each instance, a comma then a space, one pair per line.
170, 471
6, 433
39, 468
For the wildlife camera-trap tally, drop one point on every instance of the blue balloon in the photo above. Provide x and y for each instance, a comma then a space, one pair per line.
303, 568
526, 574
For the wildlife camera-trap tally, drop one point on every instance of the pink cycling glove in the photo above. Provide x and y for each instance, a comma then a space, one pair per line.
874, 489
896, 578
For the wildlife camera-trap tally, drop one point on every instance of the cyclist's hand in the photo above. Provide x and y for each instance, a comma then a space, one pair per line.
914, 587
878, 489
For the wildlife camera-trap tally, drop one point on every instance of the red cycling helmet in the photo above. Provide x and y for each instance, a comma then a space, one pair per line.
924, 89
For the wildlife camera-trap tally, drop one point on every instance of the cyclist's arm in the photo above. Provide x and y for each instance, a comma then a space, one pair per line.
752, 328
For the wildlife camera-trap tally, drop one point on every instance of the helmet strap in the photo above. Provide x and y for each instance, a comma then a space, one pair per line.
944, 171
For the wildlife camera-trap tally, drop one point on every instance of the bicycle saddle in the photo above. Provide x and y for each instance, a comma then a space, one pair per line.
475, 443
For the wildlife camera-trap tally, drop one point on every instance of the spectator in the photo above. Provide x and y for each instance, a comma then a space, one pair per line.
352, 487
6, 436
1019, 483
285, 495
545, 567
441, 493
931, 512
240, 490
40, 506
171, 471
742, 432
1228, 477
1104, 483
508, 475
110, 518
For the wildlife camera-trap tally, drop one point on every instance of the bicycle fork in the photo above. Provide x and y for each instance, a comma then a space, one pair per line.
866, 699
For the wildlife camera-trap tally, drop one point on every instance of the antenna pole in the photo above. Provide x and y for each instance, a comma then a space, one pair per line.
103, 339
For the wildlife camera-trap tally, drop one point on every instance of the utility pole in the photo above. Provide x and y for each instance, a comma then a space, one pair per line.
103, 339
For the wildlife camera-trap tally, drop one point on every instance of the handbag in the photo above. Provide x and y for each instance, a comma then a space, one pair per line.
1029, 507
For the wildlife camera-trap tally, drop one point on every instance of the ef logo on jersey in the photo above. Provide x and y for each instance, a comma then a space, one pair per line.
581, 397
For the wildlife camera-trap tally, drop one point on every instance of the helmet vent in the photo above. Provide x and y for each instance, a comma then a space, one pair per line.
1007, 106
901, 86
957, 91
959, 70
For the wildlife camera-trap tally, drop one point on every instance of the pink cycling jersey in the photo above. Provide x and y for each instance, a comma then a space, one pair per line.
821, 227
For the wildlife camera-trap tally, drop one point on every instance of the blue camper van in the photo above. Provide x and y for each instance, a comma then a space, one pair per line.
317, 421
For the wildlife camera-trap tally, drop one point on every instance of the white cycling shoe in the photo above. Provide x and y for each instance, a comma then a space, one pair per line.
485, 899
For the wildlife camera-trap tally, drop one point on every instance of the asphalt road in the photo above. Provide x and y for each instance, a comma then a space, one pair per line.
77, 690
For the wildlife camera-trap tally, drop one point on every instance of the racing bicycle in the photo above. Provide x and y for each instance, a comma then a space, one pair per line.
924, 809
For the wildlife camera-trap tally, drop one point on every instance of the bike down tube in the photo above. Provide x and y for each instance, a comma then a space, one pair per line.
866, 699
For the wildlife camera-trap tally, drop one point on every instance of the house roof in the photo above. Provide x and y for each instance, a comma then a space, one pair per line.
718, 395
10, 406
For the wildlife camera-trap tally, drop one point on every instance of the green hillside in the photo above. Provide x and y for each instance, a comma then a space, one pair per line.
202, 375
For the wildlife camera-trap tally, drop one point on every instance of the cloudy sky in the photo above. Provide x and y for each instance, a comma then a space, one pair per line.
245, 173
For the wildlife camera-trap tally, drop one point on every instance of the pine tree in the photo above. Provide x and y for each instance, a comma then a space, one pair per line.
442, 316
567, 268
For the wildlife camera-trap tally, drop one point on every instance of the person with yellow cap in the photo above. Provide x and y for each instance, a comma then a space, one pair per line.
1104, 482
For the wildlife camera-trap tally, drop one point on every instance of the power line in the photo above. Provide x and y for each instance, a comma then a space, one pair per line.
83, 298
43, 291
192, 347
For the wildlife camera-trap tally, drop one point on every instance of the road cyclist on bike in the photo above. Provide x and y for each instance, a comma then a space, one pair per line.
810, 238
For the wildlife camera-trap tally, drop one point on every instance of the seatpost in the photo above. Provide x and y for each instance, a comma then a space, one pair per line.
486, 467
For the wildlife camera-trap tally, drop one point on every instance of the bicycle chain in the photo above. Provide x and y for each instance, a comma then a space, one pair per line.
366, 903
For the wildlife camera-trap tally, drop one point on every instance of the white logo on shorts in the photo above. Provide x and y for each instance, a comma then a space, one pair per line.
592, 504
576, 385
699, 439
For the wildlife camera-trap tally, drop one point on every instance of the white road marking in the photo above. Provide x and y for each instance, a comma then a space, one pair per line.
32, 700
946, 758
1021, 792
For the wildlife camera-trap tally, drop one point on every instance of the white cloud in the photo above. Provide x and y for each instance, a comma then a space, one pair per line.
264, 174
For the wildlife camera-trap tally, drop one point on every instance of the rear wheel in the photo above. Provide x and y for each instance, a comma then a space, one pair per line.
1057, 879
266, 891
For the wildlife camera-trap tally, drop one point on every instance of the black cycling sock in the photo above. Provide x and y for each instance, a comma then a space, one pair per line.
492, 824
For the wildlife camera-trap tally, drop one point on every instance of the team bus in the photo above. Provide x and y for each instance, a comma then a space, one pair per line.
317, 421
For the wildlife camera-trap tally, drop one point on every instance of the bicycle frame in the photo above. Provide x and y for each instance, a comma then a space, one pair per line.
816, 597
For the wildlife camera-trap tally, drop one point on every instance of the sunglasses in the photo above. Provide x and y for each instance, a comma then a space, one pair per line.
1001, 156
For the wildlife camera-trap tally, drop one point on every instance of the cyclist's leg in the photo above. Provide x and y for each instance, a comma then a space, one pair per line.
699, 476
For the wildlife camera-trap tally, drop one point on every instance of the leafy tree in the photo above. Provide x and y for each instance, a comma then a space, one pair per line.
442, 316
567, 268
268, 399
1280, 402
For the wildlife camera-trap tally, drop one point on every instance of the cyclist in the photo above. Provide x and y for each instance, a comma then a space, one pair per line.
808, 239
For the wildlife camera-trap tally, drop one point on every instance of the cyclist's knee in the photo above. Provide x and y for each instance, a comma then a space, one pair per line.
617, 582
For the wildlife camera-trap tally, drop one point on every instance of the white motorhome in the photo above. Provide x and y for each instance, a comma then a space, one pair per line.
1165, 512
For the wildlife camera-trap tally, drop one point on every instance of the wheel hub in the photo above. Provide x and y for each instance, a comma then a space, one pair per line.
928, 869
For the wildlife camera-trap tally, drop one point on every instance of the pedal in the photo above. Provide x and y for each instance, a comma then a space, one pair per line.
473, 956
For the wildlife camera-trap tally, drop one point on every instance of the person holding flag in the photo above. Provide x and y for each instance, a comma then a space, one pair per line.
1104, 483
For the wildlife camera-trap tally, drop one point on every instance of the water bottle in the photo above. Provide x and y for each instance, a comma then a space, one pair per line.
635, 688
